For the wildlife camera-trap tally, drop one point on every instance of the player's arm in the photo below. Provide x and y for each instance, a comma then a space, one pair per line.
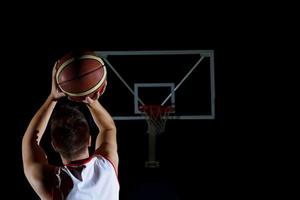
35, 161
106, 141
34, 158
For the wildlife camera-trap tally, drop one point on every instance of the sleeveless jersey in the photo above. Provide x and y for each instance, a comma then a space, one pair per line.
94, 178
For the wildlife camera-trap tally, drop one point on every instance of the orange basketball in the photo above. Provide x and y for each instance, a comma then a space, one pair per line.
81, 74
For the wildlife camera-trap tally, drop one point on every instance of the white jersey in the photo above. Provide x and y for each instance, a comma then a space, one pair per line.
94, 178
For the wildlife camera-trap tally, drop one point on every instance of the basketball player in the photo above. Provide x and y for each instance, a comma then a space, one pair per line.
82, 176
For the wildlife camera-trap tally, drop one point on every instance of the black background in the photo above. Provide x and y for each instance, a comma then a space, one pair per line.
203, 159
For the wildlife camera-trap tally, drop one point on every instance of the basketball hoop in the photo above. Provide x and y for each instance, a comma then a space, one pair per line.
156, 116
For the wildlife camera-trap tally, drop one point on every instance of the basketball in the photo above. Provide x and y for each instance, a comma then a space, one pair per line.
81, 74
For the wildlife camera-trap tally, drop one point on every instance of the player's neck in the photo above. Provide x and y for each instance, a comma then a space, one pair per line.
82, 156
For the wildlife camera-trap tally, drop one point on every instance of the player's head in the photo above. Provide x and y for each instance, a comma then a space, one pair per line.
69, 132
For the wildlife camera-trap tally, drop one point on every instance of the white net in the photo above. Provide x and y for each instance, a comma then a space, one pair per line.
156, 116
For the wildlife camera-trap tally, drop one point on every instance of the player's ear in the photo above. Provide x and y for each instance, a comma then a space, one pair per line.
53, 145
90, 140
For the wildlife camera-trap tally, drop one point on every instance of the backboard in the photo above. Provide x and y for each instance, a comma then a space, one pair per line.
181, 78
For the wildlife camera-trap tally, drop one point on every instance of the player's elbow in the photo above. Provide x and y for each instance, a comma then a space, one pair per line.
109, 126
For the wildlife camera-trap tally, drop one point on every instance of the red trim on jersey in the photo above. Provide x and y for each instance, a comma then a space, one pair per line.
77, 163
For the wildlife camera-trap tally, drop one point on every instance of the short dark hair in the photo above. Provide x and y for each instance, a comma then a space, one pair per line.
69, 131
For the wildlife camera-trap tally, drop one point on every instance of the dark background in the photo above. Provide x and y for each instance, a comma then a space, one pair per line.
199, 159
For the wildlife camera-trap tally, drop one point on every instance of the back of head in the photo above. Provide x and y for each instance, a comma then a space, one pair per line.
69, 131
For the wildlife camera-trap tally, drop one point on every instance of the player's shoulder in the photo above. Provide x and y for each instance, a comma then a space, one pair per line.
100, 158
107, 163
105, 160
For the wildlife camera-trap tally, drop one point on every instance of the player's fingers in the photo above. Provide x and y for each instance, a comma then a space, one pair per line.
97, 95
54, 68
